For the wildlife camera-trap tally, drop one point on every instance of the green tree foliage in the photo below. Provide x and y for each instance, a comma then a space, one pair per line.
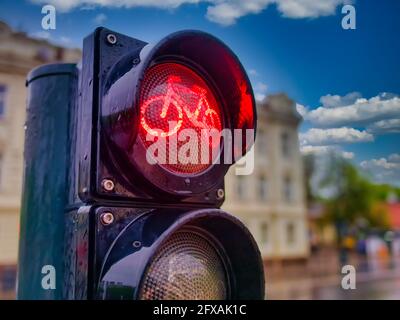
353, 199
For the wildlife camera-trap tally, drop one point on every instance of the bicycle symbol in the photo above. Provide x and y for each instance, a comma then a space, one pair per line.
203, 116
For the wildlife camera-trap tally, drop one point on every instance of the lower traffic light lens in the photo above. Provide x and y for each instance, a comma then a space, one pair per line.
187, 266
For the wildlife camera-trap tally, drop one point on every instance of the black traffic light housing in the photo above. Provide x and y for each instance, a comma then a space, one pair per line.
114, 67
121, 212
156, 227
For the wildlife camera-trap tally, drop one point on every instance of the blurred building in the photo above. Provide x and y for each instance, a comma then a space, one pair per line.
271, 201
18, 55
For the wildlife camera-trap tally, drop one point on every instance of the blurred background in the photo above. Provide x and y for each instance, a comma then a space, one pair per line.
312, 206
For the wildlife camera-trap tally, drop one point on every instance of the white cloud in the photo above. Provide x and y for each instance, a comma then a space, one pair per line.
333, 101
65, 40
253, 72
317, 136
316, 149
348, 155
45, 35
308, 8
225, 12
301, 109
362, 111
261, 87
353, 119
259, 96
100, 19
381, 163
260, 91
385, 126
67, 5
395, 157
384, 170
326, 150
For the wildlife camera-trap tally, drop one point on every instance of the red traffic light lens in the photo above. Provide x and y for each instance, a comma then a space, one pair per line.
174, 98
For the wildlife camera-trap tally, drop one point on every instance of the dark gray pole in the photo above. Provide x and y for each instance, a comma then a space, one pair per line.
51, 97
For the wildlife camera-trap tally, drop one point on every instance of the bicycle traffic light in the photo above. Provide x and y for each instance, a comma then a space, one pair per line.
153, 130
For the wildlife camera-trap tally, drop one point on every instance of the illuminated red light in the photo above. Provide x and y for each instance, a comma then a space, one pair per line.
174, 98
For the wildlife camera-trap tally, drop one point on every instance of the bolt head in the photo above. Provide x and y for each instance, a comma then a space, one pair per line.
108, 185
111, 38
136, 244
107, 218
220, 193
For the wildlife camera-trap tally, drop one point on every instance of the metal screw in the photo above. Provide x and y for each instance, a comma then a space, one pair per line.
220, 193
111, 38
108, 185
107, 218
136, 244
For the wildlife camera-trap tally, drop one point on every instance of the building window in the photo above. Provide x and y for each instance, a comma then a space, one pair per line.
8, 279
44, 54
1, 170
290, 233
3, 90
240, 187
285, 143
264, 233
262, 143
263, 187
287, 189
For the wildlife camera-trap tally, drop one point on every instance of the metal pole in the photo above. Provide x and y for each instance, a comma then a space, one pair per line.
51, 97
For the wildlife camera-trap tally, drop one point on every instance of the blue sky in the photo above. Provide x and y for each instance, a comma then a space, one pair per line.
345, 82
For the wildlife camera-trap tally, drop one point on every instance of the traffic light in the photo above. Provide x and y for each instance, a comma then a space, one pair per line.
152, 131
